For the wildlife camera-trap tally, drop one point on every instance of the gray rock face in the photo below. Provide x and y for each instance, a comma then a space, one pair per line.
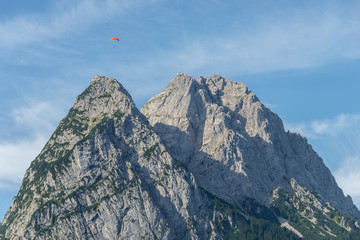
203, 159
234, 145
103, 175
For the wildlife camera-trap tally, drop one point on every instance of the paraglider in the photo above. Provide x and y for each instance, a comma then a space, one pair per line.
116, 39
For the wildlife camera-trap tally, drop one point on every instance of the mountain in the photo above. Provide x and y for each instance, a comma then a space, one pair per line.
203, 159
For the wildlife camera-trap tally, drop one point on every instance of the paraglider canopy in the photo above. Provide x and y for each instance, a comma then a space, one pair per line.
114, 39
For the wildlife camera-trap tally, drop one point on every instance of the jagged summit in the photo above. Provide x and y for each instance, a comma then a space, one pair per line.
104, 91
104, 84
204, 159
180, 79
104, 174
231, 140
221, 89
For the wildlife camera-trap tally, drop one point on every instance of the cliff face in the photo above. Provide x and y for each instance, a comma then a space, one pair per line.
234, 145
204, 159
97, 176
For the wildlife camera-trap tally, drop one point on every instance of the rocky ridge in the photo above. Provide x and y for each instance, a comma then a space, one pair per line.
97, 170
232, 141
204, 159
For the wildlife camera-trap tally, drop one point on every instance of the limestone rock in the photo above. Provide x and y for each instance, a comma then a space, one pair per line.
234, 145
204, 159
103, 175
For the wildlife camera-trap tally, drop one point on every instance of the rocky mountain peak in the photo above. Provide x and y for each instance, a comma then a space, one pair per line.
104, 96
222, 130
180, 79
105, 174
101, 85
214, 89
204, 159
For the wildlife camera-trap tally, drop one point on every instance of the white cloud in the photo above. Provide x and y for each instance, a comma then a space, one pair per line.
292, 44
348, 177
340, 124
336, 125
38, 117
298, 41
38, 121
274, 43
63, 17
16, 157
337, 140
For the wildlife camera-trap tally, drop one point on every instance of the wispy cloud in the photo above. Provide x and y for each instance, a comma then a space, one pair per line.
348, 177
61, 18
15, 158
337, 140
291, 42
340, 124
38, 120
286, 41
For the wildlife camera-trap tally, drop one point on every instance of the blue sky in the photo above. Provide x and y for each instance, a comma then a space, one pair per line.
301, 58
